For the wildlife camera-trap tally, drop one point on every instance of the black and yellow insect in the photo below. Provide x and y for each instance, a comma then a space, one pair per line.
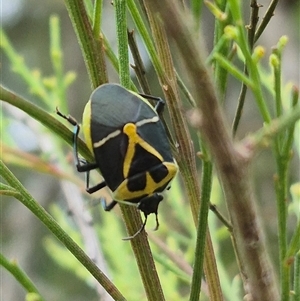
130, 147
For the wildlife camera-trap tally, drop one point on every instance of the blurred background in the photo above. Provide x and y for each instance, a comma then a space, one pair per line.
26, 23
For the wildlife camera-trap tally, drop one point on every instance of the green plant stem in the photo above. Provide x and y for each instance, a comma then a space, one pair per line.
294, 245
232, 168
282, 150
220, 73
277, 84
140, 244
250, 63
143, 255
281, 200
113, 58
91, 47
281, 187
297, 277
201, 231
20, 276
97, 16
27, 200
122, 43
185, 154
217, 48
233, 70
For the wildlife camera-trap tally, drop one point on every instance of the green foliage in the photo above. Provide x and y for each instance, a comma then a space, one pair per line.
169, 264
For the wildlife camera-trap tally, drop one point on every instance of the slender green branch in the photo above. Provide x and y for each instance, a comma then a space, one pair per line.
97, 16
91, 48
20, 276
201, 231
27, 200
113, 59
7, 190
217, 48
222, 19
140, 244
281, 194
251, 62
282, 150
122, 38
275, 60
294, 245
234, 70
297, 277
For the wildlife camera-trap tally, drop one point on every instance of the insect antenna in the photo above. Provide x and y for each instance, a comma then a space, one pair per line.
138, 232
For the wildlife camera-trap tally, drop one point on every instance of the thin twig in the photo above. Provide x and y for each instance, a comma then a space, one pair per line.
251, 33
266, 19
138, 66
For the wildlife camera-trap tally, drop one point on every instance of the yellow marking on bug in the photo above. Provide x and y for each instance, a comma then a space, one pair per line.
145, 121
122, 192
86, 125
108, 137
133, 139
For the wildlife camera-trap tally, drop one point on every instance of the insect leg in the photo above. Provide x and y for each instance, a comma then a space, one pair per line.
108, 207
81, 164
159, 105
